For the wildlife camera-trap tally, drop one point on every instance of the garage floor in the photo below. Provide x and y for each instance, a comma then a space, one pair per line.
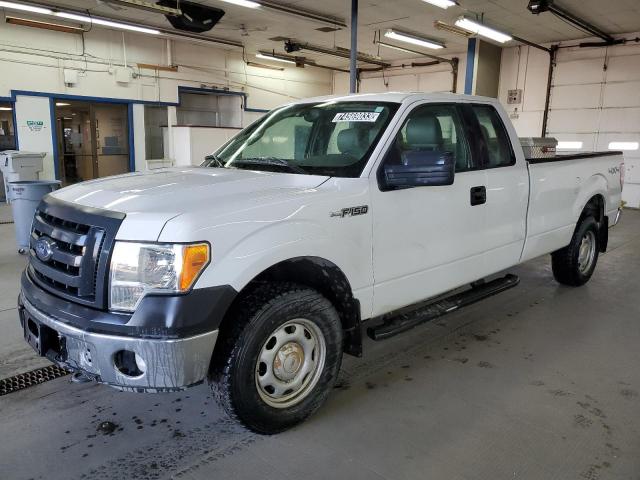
540, 382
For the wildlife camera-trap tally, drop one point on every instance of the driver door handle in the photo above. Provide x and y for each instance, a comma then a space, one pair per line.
478, 195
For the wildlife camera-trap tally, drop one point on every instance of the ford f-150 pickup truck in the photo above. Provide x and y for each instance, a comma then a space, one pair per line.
258, 269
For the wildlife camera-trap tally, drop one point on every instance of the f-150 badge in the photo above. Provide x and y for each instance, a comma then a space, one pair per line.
351, 211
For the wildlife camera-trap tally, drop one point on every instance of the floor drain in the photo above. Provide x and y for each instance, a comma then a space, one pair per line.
30, 379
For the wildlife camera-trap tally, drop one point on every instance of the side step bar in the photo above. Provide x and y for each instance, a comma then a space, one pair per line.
478, 291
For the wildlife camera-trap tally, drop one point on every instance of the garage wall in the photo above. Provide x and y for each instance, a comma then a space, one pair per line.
595, 98
34, 60
437, 78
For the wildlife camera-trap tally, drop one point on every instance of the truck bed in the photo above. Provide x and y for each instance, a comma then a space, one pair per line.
560, 187
573, 156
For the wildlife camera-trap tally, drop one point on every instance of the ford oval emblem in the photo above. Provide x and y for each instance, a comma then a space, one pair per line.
44, 248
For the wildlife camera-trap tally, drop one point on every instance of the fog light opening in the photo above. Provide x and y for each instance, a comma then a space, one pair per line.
129, 363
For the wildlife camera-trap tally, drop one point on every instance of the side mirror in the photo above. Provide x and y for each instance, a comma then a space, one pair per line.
420, 169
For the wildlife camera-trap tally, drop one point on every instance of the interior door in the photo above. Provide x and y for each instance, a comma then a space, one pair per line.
507, 188
93, 140
428, 239
111, 138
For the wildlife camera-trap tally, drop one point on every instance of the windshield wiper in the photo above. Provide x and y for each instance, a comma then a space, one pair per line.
270, 161
214, 161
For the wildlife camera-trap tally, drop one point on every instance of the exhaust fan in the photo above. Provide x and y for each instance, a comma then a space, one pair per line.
195, 18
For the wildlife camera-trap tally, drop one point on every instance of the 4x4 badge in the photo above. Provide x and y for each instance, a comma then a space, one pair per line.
351, 211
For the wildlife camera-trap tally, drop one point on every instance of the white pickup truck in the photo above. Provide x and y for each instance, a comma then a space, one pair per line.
257, 269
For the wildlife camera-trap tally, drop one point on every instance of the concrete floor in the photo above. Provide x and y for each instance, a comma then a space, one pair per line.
539, 382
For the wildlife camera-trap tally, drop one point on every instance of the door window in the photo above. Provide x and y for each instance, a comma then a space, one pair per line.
495, 143
436, 128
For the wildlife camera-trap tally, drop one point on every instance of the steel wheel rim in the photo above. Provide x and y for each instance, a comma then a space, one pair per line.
290, 363
586, 252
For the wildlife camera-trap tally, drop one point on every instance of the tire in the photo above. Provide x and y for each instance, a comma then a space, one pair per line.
574, 264
279, 361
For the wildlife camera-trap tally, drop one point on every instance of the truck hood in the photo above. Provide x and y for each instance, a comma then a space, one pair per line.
151, 199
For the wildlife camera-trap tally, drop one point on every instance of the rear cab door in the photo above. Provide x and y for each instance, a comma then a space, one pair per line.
507, 184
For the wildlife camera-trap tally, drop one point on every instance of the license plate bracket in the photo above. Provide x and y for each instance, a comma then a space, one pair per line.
41, 337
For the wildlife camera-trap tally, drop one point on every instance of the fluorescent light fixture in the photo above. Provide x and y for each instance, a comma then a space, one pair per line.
404, 37
395, 47
624, 146
25, 8
5, 109
482, 30
62, 104
105, 23
571, 145
452, 29
243, 3
272, 57
441, 3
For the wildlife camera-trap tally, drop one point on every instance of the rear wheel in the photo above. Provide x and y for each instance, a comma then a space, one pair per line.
574, 264
278, 363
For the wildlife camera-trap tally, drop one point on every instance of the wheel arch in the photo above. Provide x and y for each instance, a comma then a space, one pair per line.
596, 207
325, 277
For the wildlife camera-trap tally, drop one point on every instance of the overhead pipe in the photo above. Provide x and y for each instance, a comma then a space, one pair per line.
453, 62
553, 53
291, 46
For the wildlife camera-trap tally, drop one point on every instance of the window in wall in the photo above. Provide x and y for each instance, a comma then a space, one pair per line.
496, 140
436, 128
209, 110
155, 123
7, 128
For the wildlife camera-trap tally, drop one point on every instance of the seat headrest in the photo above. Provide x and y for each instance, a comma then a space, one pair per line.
485, 131
350, 141
424, 130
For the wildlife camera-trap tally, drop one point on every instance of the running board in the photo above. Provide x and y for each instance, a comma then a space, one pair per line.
478, 291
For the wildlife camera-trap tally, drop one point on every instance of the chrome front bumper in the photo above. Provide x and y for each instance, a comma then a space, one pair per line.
169, 365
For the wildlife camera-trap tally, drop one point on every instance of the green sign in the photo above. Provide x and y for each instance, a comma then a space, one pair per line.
35, 125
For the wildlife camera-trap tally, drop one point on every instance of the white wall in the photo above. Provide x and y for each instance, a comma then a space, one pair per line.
436, 78
33, 135
193, 144
34, 60
595, 98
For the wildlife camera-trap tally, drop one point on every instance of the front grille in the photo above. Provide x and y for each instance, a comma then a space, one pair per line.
78, 243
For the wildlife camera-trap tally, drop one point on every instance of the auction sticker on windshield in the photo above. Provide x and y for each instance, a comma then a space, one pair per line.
356, 117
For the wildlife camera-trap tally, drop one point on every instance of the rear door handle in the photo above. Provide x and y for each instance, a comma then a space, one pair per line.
478, 195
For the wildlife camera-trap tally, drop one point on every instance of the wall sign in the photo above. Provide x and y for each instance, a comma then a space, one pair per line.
35, 125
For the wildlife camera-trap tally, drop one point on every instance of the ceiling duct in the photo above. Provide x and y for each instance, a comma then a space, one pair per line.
194, 17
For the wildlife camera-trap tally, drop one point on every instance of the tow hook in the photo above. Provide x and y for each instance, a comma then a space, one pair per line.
80, 377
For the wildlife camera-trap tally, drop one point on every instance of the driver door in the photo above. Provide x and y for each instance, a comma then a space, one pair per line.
427, 240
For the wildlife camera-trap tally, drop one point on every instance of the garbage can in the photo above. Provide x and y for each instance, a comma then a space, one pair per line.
25, 195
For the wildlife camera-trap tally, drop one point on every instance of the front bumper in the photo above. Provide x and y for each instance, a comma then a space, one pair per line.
169, 364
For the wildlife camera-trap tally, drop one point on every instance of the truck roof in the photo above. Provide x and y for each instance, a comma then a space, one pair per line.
399, 97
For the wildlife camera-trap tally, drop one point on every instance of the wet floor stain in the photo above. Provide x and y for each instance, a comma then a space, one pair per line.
483, 364
628, 393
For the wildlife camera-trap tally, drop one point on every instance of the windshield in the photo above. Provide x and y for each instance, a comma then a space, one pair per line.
330, 138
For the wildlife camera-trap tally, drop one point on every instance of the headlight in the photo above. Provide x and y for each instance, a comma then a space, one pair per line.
141, 268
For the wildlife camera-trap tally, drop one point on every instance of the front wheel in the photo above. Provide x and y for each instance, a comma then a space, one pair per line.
574, 264
280, 360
